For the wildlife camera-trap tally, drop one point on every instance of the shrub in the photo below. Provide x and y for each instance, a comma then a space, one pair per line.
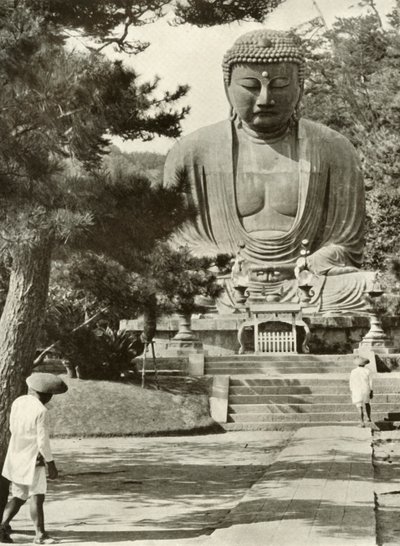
101, 353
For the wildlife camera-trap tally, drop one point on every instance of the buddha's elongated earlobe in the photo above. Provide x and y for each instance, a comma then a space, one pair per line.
232, 112
296, 113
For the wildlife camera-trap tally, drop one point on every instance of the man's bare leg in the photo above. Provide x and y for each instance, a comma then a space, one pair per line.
37, 515
368, 410
4, 490
362, 424
11, 510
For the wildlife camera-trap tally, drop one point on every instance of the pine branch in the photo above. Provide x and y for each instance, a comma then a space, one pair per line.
372, 5
39, 359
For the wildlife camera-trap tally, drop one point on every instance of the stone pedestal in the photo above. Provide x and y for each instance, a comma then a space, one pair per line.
377, 340
185, 341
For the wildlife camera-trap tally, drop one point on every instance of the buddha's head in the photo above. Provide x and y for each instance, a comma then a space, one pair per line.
263, 74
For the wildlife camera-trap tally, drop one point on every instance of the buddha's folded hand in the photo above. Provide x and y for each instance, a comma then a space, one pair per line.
271, 273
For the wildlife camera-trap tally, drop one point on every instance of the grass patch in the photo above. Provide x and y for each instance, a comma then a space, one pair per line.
105, 408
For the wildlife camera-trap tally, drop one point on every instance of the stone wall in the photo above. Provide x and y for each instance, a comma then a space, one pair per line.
338, 334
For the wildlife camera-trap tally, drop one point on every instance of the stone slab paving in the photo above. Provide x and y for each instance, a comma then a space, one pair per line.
150, 490
244, 489
319, 492
387, 486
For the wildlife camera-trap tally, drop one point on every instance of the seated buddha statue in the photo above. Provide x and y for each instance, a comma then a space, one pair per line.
267, 179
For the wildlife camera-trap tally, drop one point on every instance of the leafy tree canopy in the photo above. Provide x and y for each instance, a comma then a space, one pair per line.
148, 164
57, 112
210, 12
108, 22
353, 86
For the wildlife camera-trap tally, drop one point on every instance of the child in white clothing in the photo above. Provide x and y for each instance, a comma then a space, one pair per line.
361, 388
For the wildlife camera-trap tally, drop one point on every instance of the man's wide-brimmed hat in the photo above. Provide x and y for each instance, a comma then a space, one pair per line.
360, 361
46, 383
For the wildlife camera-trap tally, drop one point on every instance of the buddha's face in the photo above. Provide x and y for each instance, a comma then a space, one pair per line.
264, 95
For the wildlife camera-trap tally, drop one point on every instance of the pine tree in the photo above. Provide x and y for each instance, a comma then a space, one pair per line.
353, 86
58, 110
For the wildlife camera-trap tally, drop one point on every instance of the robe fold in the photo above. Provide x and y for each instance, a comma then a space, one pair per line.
331, 202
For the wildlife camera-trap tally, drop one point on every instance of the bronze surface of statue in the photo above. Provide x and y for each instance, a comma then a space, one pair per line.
266, 180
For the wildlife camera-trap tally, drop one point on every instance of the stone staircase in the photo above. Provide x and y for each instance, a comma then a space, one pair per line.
278, 364
291, 391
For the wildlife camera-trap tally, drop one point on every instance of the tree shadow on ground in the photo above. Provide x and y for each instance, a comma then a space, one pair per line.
320, 518
388, 517
163, 499
92, 536
294, 490
147, 490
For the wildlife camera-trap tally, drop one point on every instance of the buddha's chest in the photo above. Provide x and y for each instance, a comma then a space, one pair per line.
258, 191
267, 187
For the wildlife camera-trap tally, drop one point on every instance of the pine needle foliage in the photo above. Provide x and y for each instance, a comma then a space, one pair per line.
352, 85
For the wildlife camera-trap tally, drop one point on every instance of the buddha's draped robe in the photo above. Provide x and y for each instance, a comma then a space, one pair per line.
330, 213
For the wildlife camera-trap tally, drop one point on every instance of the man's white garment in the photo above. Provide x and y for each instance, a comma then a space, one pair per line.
29, 437
360, 385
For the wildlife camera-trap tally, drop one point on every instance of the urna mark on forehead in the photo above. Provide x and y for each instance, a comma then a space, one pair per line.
267, 71
265, 47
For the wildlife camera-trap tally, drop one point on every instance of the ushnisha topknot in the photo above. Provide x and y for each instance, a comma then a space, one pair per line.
263, 46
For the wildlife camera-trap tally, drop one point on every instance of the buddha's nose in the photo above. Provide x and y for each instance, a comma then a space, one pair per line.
265, 97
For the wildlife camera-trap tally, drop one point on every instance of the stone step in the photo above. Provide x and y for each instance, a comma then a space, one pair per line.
288, 425
269, 370
295, 390
280, 364
307, 417
305, 408
339, 398
279, 381
240, 369
274, 357
390, 382
279, 401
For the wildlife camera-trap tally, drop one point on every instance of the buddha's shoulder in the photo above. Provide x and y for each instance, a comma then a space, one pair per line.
221, 128
324, 134
205, 138
335, 147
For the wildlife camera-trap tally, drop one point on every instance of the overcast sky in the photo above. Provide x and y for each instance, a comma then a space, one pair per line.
191, 55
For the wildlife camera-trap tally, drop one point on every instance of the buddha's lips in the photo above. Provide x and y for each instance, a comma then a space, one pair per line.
269, 112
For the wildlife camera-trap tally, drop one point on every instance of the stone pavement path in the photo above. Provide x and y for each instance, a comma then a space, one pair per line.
387, 486
319, 492
150, 490
244, 489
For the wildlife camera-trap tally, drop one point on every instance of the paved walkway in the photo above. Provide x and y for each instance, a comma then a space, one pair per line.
116, 490
319, 492
244, 489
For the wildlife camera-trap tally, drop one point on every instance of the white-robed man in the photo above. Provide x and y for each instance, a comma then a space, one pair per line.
361, 388
29, 453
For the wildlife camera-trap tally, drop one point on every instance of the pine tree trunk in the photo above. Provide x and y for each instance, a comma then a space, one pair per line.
20, 325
